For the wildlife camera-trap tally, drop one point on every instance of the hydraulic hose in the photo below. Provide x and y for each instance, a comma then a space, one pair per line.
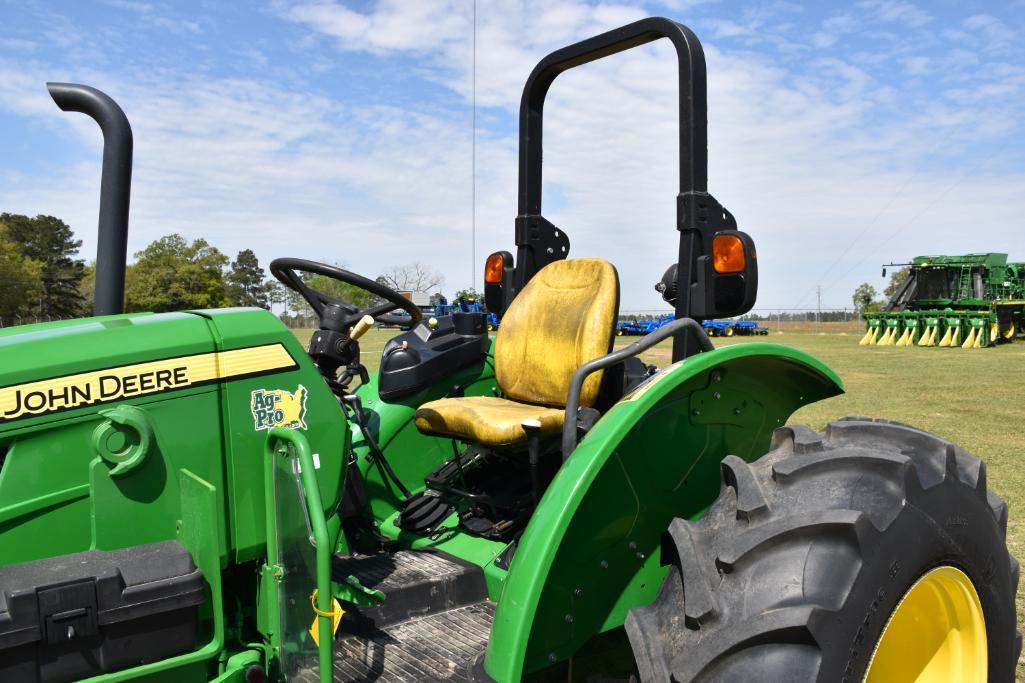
361, 421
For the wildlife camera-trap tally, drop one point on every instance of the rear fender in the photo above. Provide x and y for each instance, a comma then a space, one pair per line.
591, 550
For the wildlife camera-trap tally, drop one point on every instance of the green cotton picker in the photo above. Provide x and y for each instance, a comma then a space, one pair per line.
969, 301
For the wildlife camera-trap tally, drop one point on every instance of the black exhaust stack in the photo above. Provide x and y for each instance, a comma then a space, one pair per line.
115, 189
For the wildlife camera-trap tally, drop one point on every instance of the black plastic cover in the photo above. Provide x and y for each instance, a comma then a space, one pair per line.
82, 614
619, 380
423, 356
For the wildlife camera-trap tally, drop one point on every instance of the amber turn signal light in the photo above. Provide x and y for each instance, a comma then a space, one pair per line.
728, 254
494, 268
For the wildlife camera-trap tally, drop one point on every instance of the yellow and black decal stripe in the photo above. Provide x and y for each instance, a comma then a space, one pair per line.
57, 394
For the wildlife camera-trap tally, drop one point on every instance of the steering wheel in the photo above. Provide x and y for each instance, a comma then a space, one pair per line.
338, 315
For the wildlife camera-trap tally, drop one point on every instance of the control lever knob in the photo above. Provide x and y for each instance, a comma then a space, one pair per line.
361, 327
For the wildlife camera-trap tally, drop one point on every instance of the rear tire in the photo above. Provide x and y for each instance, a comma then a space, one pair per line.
794, 571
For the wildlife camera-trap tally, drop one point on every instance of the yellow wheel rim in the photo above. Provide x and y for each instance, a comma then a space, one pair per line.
937, 634
1010, 332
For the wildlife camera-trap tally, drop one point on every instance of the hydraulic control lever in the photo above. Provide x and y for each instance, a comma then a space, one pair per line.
331, 350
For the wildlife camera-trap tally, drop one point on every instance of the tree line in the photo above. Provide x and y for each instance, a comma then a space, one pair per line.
42, 276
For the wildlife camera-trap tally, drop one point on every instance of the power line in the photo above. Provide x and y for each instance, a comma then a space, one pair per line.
861, 234
473, 160
864, 230
918, 215
880, 212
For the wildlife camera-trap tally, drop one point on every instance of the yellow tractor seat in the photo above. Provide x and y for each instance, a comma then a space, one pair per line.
486, 420
564, 317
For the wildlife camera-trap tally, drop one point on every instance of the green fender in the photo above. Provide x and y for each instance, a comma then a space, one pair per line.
591, 551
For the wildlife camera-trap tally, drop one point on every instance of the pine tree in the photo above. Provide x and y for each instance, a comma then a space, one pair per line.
246, 281
21, 282
51, 242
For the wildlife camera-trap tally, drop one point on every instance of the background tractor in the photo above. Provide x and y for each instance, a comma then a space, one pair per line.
967, 301
193, 496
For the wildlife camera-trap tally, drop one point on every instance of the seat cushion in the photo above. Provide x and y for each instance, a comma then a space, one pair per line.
564, 317
486, 419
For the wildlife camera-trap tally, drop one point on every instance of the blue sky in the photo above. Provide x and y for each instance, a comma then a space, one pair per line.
841, 135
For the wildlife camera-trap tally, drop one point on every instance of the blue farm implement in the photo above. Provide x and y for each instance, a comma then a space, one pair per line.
718, 328
728, 328
466, 306
749, 328
642, 327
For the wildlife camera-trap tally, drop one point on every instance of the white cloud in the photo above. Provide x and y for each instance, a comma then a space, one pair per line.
993, 32
394, 25
511, 36
833, 29
250, 165
727, 28
157, 15
916, 66
774, 139
897, 11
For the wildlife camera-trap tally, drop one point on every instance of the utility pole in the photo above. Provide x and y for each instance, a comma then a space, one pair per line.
818, 314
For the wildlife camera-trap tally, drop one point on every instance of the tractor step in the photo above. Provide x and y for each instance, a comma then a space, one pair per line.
416, 583
448, 646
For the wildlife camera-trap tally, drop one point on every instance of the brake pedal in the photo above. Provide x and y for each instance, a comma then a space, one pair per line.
423, 512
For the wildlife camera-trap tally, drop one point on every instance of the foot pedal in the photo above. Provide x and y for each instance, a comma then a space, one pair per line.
423, 513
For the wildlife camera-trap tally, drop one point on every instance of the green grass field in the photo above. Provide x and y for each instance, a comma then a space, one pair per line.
974, 398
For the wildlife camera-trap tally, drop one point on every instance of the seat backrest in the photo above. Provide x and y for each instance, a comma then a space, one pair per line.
564, 317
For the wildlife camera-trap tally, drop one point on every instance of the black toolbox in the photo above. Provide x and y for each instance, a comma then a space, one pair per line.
74, 616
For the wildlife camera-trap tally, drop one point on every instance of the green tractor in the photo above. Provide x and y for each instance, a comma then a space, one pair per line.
193, 496
970, 301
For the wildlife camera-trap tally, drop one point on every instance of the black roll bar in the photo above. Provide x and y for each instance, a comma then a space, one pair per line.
538, 243
693, 101
115, 189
